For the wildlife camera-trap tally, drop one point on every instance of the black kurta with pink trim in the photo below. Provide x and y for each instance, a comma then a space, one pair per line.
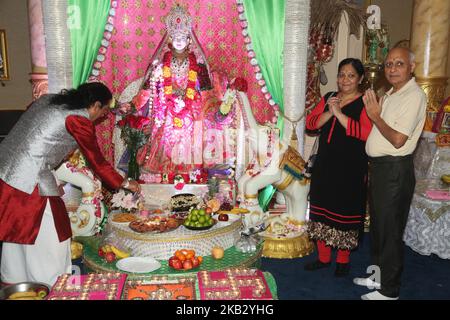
339, 177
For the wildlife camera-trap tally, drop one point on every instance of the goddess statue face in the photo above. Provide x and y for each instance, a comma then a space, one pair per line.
180, 42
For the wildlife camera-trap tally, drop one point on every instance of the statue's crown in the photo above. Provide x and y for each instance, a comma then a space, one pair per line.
178, 21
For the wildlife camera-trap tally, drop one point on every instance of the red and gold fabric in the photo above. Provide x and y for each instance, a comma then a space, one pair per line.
21, 213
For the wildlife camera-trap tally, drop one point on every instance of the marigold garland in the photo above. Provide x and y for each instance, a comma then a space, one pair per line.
192, 78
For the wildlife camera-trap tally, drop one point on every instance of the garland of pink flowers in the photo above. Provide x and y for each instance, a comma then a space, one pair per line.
253, 61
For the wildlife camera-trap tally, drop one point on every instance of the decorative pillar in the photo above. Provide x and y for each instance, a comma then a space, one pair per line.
295, 63
58, 45
429, 42
297, 18
38, 76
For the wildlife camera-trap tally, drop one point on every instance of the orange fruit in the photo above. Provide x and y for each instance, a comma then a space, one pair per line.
180, 256
192, 252
189, 256
214, 204
200, 259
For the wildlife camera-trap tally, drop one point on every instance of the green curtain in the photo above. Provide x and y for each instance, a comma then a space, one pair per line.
266, 28
86, 35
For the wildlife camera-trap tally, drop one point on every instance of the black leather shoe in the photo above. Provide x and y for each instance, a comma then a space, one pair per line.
342, 269
316, 265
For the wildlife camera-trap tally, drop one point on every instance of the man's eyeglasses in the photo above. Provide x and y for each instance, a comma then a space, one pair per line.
397, 64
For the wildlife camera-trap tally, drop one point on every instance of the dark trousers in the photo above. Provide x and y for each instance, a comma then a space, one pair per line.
391, 188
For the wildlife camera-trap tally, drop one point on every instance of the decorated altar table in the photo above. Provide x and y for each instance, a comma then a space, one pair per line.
232, 258
249, 280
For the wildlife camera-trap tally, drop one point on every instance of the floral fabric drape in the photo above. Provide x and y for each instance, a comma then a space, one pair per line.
138, 28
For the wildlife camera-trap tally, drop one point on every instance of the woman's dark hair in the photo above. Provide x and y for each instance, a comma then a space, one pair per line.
84, 96
356, 64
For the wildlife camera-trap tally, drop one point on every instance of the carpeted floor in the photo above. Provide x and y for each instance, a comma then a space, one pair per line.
424, 277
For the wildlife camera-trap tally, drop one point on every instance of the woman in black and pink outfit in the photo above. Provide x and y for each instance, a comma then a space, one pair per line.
339, 176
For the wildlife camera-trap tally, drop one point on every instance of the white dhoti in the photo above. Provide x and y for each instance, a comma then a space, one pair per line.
42, 261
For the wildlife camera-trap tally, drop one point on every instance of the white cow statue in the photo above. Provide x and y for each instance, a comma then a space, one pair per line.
89, 215
274, 162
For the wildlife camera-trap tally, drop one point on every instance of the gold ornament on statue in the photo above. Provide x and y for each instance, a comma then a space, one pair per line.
287, 248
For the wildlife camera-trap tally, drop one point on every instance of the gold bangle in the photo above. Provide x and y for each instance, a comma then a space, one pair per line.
250, 196
286, 182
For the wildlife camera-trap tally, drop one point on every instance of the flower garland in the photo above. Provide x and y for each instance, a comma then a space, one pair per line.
190, 88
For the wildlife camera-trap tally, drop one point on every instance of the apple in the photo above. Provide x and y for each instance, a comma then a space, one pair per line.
171, 261
110, 257
195, 262
223, 217
208, 210
101, 253
177, 264
187, 265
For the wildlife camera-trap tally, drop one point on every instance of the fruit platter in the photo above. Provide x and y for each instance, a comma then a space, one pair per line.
199, 219
185, 260
156, 224
111, 253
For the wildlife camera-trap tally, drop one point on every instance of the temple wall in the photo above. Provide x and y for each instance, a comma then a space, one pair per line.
398, 16
17, 92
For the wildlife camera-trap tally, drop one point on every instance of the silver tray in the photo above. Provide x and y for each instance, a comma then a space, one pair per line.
22, 287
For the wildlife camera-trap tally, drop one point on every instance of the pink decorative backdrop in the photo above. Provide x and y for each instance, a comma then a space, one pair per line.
138, 29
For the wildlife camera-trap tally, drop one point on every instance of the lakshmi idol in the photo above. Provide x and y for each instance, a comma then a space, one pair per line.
170, 96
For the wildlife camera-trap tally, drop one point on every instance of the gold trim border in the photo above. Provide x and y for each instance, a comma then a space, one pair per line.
286, 182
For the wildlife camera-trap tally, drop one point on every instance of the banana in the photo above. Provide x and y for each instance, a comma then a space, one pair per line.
107, 248
119, 253
19, 295
238, 210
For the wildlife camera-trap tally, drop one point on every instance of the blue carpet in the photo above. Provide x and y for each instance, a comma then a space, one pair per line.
424, 277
